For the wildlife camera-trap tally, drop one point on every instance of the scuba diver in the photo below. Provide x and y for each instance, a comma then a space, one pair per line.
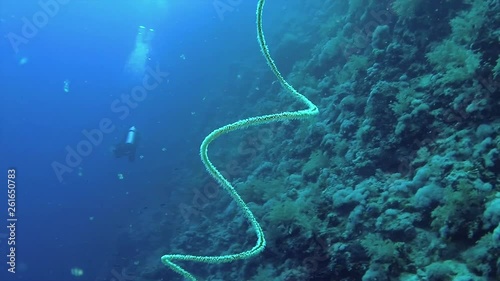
144, 35
140, 56
128, 147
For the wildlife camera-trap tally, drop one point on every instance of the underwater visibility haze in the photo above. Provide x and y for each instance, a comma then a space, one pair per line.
253, 140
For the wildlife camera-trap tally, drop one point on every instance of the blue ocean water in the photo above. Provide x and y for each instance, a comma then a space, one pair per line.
370, 149
70, 210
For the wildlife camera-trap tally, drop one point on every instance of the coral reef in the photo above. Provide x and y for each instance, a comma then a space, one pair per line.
397, 178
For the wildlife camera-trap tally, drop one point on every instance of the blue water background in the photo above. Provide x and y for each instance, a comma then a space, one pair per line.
74, 222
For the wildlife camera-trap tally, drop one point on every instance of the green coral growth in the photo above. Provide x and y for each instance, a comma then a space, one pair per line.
465, 27
456, 62
496, 69
461, 210
405, 8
